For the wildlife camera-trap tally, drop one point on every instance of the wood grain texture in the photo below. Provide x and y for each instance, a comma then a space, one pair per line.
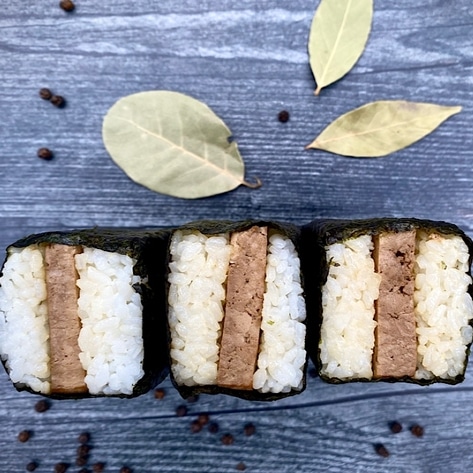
247, 61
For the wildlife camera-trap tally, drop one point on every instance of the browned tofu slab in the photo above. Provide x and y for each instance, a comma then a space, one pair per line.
67, 374
244, 305
395, 353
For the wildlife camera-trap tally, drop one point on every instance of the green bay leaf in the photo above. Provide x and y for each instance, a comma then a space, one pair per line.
173, 144
381, 128
338, 36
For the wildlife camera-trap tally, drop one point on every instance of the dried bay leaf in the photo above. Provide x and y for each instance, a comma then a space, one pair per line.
381, 128
173, 144
338, 36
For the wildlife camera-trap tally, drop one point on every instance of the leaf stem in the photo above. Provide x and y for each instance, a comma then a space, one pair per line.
255, 185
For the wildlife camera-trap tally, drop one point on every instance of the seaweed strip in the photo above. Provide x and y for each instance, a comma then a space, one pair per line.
148, 247
319, 234
213, 227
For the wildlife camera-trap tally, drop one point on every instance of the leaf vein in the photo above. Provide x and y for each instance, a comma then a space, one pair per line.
204, 161
374, 130
336, 44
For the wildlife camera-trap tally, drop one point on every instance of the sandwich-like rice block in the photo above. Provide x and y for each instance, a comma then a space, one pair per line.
236, 310
82, 313
395, 299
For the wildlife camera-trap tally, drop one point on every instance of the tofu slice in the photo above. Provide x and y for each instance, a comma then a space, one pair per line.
67, 374
244, 305
395, 353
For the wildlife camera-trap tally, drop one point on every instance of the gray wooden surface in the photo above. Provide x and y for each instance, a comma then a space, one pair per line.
247, 60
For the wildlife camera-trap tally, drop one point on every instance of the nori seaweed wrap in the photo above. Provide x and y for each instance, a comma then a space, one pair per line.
82, 312
388, 299
236, 310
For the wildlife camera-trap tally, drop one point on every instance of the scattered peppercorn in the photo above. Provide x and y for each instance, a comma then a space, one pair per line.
98, 467
283, 116
395, 427
181, 411
84, 437
381, 450
125, 469
43, 405
60, 467
67, 5
203, 419
227, 439
58, 101
31, 466
249, 429
213, 427
417, 430
83, 450
241, 466
47, 155
82, 461
192, 399
45, 93
196, 426
24, 436
159, 393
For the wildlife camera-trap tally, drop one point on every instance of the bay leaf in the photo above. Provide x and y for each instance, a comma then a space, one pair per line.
337, 38
173, 144
381, 128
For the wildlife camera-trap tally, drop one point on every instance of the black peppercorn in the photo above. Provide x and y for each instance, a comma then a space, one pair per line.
195, 426
227, 439
31, 466
192, 399
203, 419
82, 460
395, 427
60, 467
125, 469
241, 466
283, 116
181, 411
67, 5
84, 437
45, 93
43, 405
83, 450
213, 427
24, 436
98, 467
381, 450
58, 101
47, 155
249, 429
417, 430
159, 393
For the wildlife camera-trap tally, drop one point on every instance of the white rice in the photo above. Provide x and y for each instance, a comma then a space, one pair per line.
282, 354
111, 338
197, 293
24, 330
347, 331
110, 311
443, 307
198, 273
